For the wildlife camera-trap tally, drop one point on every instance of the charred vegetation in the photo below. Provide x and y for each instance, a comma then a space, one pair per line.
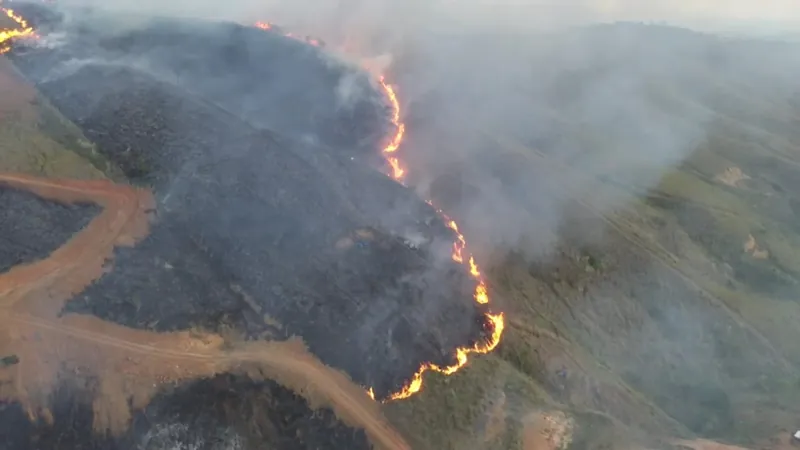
264, 234
229, 412
31, 228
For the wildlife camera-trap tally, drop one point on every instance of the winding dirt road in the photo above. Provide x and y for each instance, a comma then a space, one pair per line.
132, 365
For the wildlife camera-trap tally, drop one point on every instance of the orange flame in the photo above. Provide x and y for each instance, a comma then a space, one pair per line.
495, 323
22, 30
307, 39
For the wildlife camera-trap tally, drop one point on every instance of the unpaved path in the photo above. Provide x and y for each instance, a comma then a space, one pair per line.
132, 365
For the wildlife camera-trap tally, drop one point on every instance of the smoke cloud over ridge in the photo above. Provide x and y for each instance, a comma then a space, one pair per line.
599, 101
517, 111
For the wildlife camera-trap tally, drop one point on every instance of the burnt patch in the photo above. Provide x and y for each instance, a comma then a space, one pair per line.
227, 412
263, 233
31, 227
272, 81
71, 427
165, 284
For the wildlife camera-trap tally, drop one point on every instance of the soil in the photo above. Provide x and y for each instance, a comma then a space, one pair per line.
751, 247
31, 228
119, 370
321, 99
230, 240
547, 431
732, 176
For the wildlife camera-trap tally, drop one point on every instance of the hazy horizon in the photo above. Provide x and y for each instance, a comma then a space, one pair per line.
510, 16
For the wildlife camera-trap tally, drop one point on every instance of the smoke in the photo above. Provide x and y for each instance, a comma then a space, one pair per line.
596, 101
515, 107
515, 110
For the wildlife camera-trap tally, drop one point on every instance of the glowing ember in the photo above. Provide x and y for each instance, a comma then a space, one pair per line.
6, 35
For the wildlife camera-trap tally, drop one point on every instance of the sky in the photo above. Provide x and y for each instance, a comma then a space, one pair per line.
520, 14
513, 15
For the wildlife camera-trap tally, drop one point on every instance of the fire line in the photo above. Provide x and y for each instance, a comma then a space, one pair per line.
495, 323
7, 35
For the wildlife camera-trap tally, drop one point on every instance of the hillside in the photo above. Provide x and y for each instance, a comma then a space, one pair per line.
639, 199
633, 194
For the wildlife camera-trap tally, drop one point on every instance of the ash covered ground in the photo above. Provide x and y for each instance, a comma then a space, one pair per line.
31, 228
226, 412
270, 235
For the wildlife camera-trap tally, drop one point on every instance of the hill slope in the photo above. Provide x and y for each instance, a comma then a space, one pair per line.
637, 194
638, 201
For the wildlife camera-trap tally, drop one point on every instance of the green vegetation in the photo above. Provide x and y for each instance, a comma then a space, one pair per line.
672, 310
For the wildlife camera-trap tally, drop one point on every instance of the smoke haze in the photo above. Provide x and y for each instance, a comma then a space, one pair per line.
600, 101
516, 109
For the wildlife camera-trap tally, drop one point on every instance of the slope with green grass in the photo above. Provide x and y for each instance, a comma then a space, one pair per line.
668, 304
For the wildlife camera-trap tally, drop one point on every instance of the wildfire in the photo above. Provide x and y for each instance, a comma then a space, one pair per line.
307, 39
6, 35
495, 323
398, 173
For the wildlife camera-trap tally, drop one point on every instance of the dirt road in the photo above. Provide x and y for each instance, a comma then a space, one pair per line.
132, 365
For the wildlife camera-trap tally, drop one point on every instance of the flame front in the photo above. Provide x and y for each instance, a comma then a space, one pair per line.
398, 173
495, 323
6, 35
307, 39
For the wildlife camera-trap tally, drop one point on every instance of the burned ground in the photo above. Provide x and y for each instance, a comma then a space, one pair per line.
31, 228
258, 232
230, 411
226, 412
166, 266
272, 81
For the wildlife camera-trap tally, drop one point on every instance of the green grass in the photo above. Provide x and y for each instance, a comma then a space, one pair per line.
35, 139
650, 356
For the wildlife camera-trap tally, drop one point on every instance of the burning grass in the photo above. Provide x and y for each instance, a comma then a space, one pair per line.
19, 29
